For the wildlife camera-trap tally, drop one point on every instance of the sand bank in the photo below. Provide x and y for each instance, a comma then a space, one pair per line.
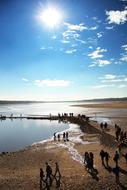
109, 105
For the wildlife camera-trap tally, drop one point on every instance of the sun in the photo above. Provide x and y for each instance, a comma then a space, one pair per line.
51, 17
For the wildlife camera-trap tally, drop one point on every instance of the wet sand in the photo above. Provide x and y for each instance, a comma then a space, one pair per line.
20, 170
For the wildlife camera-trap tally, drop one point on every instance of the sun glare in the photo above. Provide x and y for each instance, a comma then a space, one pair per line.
51, 17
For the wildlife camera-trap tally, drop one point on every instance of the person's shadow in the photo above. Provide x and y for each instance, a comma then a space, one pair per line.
94, 174
123, 171
122, 186
108, 168
44, 184
58, 180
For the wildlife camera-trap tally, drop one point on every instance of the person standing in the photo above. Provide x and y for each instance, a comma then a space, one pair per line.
67, 136
107, 158
116, 158
102, 155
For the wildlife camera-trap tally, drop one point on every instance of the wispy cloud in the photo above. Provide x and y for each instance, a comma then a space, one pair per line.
109, 27
97, 53
93, 28
103, 86
117, 17
25, 80
108, 86
90, 47
46, 48
102, 63
111, 78
53, 37
124, 55
52, 83
99, 34
70, 51
65, 41
122, 86
42, 48
75, 27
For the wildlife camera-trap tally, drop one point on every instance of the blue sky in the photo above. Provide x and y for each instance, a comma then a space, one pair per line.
83, 56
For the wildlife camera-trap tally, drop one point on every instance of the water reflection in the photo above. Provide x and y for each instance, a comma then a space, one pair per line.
18, 133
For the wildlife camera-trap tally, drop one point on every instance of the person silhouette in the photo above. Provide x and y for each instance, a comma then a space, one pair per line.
102, 155
58, 136
54, 136
42, 180
116, 158
107, 158
48, 173
67, 136
64, 136
57, 171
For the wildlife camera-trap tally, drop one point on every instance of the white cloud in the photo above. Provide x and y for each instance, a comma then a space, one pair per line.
43, 48
124, 58
90, 47
74, 45
25, 80
122, 86
97, 53
77, 27
109, 27
69, 35
103, 86
124, 47
110, 76
52, 83
53, 37
70, 51
102, 63
65, 41
99, 34
124, 55
46, 48
81, 41
116, 17
93, 65
93, 28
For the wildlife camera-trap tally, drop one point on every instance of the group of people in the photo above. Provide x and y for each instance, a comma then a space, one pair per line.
104, 157
65, 115
46, 179
121, 136
103, 125
89, 161
65, 136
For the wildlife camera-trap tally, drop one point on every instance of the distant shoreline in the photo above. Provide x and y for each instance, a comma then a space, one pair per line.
108, 105
124, 99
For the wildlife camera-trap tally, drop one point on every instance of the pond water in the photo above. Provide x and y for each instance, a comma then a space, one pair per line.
17, 134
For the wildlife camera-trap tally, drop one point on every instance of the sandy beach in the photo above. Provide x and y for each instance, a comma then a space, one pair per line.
108, 104
21, 170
